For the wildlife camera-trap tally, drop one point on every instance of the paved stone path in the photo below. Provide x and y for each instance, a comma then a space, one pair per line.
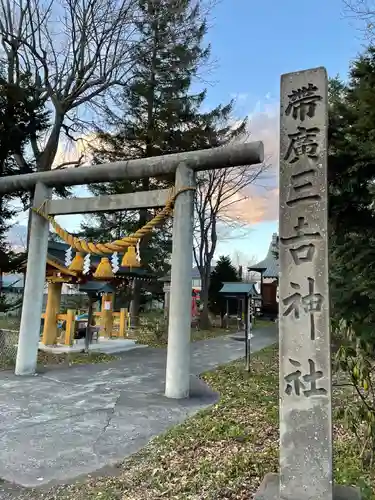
69, 422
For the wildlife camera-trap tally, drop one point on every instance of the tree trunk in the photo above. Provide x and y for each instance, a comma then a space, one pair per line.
135, 303
89, 326
137, 284
222, 316
144, 214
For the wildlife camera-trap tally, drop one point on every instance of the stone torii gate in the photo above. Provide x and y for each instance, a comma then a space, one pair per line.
184, 166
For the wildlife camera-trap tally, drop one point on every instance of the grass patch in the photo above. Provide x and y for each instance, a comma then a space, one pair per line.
74, 358
150, 338
9, 322
153, 338
222, 452
64, 359
262, 323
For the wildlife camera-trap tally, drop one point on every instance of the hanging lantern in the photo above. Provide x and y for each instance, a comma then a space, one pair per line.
130, 258
104, 269
77, 263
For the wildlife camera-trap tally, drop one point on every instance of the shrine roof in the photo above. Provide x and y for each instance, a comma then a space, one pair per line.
97, 286
269, 267
233, 289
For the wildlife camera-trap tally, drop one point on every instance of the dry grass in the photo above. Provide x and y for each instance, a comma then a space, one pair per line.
154, 332
151, 338
64, 359
221, 453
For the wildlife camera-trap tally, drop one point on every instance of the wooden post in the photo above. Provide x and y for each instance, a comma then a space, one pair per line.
90, 318
70, 327
107, 317
52, 310
123, 322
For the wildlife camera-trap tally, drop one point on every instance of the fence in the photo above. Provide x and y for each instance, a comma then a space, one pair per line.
8, 347
112, 325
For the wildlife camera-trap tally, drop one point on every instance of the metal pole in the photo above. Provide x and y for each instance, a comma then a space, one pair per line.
227, 315
29, 335
250, 328
229, 156
247, 346
178, 355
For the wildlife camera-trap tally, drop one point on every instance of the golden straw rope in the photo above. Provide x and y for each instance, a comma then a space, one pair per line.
84, 246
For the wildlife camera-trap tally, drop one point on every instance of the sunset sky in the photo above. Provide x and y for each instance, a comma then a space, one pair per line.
253, 44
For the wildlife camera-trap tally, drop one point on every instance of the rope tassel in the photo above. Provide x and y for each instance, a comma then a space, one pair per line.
104, 269
130, 258
77, 263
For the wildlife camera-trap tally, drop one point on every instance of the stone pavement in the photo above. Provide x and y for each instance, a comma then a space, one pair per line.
65, 423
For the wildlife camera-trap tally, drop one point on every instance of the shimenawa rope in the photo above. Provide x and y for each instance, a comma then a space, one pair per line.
84, 246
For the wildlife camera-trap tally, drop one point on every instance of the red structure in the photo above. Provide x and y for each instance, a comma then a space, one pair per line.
269, 279
195, 296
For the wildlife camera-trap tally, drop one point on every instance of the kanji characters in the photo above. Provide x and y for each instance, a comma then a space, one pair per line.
303, 142
293, 380
310, 303
303, 187
304, 252
303, 102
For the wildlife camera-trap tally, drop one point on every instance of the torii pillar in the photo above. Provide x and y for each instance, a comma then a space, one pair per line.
179, 326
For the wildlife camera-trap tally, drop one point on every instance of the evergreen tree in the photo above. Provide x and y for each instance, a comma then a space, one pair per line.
159, 114
224, 271
351, 181
351, 173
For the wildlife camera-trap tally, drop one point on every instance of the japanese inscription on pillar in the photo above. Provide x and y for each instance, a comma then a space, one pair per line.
305, 373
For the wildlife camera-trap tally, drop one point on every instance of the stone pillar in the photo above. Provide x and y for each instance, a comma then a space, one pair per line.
32, 306
179, 327
305, 356
52, 309
304, 326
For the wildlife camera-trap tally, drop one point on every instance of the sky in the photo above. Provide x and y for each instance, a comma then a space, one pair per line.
253, 43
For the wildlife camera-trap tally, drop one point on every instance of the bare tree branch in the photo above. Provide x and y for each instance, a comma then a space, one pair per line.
75, 50
364, 12
76, 163
218, 191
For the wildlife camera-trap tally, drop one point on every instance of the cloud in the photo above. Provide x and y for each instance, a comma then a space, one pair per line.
71, 151
259, 202
257, 207
240, 97
261, 198
264, 126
